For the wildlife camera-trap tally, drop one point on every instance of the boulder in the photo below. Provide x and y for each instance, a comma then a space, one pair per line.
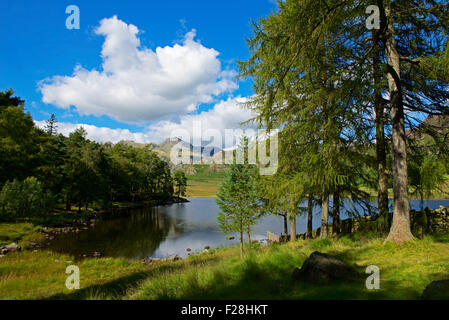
152, 260
10, 248
322, 268
174, 258
437, 290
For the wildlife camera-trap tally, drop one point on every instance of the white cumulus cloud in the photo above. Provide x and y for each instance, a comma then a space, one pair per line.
227, 114
136, 84
99, 134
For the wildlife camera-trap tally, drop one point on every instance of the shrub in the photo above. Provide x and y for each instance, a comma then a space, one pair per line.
22, 199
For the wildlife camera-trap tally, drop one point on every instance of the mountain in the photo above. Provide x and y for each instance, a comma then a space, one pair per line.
198, 154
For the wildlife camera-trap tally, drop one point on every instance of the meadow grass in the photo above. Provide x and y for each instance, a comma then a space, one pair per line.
205, 183
264, 272
20, 233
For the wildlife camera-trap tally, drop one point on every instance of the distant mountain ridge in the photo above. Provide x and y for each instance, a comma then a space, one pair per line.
198, 154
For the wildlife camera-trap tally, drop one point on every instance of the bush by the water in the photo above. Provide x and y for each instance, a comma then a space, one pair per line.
25, 198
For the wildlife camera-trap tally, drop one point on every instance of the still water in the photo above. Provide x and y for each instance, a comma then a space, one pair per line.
166, 230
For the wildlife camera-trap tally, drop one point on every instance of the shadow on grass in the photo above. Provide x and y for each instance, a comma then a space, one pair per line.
118, 288
258, 279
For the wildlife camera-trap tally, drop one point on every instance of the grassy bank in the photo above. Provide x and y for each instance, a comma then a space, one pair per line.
265, 273
205, 183
20, 233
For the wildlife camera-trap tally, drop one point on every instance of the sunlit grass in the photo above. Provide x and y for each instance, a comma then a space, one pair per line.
264, 273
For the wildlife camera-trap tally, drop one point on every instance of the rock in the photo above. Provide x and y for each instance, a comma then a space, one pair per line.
10, 248
205, 251
13, 247
188, 250
151, 260
96, 254
174, 258
189, 170
437, 290
207, 247
322, 268
230, 238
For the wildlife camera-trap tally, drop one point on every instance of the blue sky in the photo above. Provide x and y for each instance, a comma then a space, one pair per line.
36, 45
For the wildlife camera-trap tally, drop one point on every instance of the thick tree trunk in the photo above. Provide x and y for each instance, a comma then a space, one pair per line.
292, 227
309, 217
400, 229
324, 216
382, 197
336, 213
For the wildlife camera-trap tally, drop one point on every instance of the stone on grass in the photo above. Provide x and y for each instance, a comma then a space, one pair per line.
437, 290
322, 268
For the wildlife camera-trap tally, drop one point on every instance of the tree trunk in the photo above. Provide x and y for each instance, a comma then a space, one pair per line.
382, 197
336, 213
68, 205
285, 224
324, 216
309, 217
292, 227
241, 244
249, 237
400, 229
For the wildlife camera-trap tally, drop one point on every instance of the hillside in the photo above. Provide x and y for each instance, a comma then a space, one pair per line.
203, 181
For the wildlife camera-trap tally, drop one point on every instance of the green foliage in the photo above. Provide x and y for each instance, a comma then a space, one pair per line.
18, 139
237, 199
180, 181
19, 199
74, 170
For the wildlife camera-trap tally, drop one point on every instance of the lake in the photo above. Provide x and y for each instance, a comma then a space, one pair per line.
171, 229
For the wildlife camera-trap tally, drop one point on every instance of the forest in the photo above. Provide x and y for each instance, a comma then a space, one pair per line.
41, 170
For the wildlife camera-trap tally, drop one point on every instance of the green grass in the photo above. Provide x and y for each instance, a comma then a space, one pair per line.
205, 183
19, 233
264, 273
41, 275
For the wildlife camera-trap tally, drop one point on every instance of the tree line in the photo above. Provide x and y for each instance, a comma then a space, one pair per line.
41, 170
